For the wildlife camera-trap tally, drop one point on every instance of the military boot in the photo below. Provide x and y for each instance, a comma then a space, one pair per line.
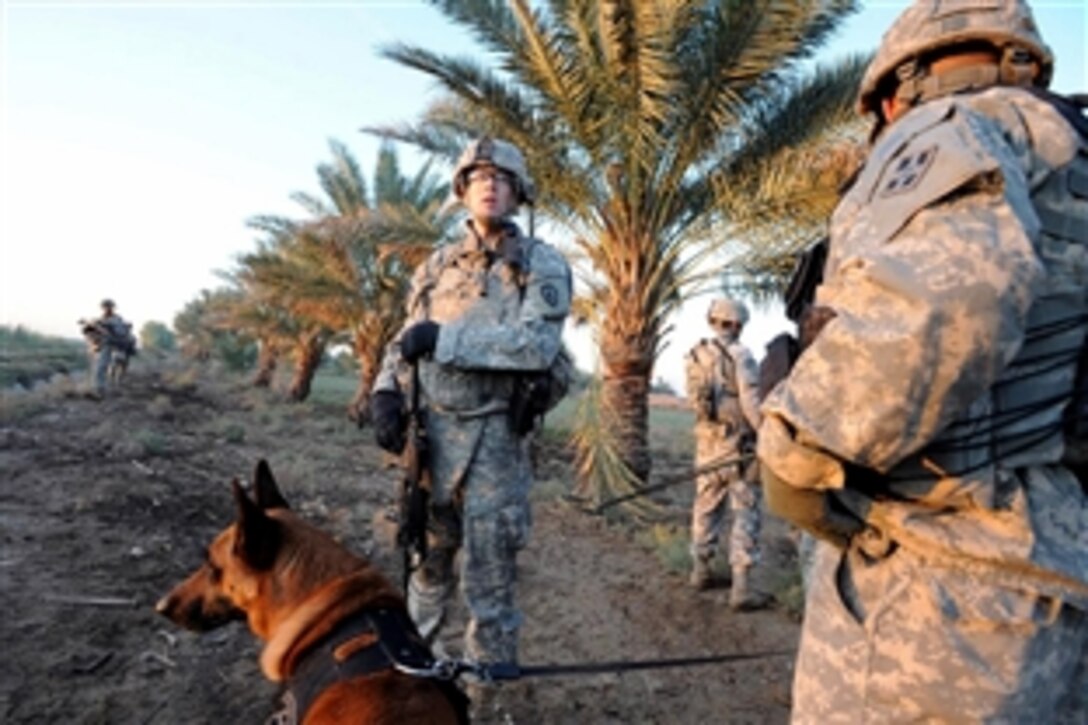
742, 596
700, 573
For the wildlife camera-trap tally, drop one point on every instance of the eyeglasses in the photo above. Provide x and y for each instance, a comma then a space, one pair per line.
480, 176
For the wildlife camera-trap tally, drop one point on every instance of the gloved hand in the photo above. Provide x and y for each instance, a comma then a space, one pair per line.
419, 340
814, 511
390, 420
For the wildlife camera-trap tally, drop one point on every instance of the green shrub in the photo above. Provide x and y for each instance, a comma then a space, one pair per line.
27, 357
670, 543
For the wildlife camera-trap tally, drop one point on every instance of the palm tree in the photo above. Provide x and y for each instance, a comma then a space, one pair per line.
648, 127
346, 268
208, 327
276, 278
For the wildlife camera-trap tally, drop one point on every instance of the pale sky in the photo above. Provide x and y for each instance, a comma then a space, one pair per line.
137, 137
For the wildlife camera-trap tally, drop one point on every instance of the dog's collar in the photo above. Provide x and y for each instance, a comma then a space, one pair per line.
318, 668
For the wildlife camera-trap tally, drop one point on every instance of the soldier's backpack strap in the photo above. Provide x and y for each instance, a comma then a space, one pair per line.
727, 367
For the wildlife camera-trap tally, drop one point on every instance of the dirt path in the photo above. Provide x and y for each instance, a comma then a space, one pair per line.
104, 505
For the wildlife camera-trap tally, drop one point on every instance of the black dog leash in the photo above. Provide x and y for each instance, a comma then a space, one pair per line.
709, 467
508, 671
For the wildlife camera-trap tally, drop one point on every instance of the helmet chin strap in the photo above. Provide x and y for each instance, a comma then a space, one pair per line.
918, 83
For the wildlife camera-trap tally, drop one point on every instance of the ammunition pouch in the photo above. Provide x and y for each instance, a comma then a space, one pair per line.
529, 402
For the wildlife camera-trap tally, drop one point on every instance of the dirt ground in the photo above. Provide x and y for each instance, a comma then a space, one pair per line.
104, 505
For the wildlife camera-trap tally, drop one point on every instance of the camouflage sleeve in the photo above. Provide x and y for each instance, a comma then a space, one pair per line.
933, 275
531, 340
747, 383
394, 371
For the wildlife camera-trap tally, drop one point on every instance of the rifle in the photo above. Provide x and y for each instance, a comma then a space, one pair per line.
415, 488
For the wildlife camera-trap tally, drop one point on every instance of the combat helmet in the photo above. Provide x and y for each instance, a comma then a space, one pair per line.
504, 155
929, 25
108, 304
724, 309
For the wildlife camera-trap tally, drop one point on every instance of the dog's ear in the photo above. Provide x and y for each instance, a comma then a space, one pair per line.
258, 535
268, 493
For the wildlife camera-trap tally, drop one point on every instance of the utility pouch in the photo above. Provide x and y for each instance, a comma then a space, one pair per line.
529, 402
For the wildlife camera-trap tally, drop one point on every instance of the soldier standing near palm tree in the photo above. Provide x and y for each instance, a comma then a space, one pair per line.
722, 384
110, 344
482, 316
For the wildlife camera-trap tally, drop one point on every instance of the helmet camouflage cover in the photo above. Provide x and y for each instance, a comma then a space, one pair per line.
500, 154
724, 309
928, 25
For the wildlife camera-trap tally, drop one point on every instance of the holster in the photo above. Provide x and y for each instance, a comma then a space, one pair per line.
528, 402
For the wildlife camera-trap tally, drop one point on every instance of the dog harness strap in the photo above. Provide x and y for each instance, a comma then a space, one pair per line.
399, 639
318, 668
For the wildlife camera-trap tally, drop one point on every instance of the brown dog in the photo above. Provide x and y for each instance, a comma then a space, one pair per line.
332, 622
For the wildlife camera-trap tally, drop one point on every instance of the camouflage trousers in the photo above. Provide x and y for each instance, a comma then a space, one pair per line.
103, 363
739, 487
898, 640
474, 538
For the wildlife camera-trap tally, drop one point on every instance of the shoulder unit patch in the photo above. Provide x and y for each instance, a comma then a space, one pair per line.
908, 171
550, 294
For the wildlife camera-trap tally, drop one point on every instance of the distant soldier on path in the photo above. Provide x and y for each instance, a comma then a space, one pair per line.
110, 344
723, 387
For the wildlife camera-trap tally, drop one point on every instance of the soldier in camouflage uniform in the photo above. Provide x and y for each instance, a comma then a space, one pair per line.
921, 434
723, 386
481, 313
109, 344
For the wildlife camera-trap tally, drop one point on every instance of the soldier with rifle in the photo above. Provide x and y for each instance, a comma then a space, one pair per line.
110, 343
722, 386
483, 337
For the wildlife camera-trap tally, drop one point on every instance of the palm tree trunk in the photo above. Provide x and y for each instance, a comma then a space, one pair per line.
627, 359
266, 365
627, 413
307, 357
359, 408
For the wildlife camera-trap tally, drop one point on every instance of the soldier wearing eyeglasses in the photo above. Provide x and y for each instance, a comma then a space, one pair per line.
482, 314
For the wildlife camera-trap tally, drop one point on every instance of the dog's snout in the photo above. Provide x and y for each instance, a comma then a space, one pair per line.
165, 605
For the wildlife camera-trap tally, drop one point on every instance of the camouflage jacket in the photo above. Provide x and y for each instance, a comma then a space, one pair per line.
496, 321
111, 331
723, 387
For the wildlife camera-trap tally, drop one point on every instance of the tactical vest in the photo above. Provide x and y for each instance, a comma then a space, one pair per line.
1036, 409
715, 374
487, 287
